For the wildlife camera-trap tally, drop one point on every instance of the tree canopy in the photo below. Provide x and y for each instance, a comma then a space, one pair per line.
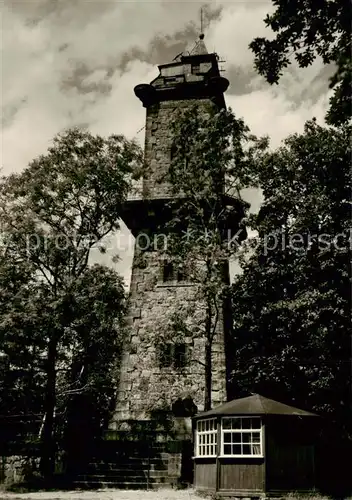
307, 30
291, 305
61, 323
212, 156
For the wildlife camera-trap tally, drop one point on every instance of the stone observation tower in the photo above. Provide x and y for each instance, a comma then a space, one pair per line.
154, 376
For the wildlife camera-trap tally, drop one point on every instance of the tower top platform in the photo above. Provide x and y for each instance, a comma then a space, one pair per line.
190, 75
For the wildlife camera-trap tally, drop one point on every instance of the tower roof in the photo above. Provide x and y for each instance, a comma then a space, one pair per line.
255, 405
199, 48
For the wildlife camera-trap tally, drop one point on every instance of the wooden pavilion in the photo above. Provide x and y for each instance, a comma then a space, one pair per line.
253, 447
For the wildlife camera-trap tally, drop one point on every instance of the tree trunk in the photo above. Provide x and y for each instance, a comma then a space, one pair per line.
208, 367
47, 462
207, 360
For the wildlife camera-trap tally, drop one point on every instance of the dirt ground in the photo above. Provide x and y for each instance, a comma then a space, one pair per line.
110, 494
107, 494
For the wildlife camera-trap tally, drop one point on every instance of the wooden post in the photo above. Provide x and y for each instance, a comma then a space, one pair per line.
313, 465
264, 448
218, 452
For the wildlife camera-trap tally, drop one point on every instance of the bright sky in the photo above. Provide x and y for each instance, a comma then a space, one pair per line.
75, 62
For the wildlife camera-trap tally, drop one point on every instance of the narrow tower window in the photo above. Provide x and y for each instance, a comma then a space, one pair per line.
172, 273
180, 274
179, 358
168, 271
173, 151
172, 356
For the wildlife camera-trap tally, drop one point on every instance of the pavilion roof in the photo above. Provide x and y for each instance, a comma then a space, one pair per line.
255, 405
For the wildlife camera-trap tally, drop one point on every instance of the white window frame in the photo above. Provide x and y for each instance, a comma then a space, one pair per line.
213, 438
242, 431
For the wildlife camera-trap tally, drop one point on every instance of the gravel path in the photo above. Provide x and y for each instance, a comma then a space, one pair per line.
106, 494
110, 494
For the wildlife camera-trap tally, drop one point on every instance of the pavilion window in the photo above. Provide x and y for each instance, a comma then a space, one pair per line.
206, 438
241, 437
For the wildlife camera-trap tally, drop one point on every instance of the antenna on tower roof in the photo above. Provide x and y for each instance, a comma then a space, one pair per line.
201, 36
199, 48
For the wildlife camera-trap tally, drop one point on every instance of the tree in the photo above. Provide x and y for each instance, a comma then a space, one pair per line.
87, 354
52, 215
21, 379
310, 29
292, 303
88, 382
212, 154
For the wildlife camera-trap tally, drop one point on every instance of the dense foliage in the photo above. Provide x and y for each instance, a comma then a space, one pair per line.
291, 306
310, 29
61, 319
209, 147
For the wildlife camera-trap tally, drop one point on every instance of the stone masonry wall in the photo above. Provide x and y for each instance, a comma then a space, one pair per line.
158, 138
15, 468
144, 385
